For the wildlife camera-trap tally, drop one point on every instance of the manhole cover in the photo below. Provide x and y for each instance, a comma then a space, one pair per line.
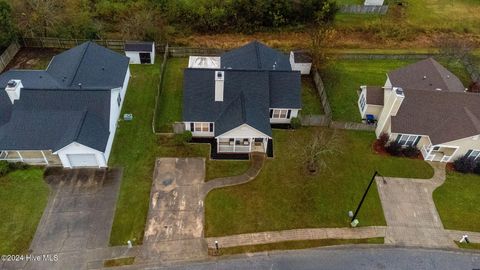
167, 182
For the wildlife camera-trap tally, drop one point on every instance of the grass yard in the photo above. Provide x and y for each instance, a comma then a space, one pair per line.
24, 195
344, 78
311, 103
416, 17
289, 245
284, 196
169, 108
135, 149
468, 245
457, 202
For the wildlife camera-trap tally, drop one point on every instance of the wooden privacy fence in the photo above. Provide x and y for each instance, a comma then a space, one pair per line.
362, 9
159, 87
8, 55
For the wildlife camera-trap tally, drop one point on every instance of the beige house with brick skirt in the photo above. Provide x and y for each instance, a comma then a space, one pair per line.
427, 106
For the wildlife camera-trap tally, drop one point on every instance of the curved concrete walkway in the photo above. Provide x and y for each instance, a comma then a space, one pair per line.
257, 159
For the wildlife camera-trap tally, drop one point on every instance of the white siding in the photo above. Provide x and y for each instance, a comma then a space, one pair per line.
134, 57
304, 68
115, 111
293, 113
77, 148
243, 131
199, 134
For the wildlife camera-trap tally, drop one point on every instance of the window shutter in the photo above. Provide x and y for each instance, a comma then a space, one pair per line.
417, 140
192, 128
398, 138
468, 153
211, 127
271, 113
288, 114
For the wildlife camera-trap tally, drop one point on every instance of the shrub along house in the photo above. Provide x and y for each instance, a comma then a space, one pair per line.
236, 102
426, 106
67, 114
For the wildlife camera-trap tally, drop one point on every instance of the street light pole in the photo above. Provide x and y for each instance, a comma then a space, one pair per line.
364, 195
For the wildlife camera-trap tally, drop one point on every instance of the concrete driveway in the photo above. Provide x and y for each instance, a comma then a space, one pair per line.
410, 212
80, 211
175, 219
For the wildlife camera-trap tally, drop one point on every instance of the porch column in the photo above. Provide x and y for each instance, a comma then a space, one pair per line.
251, 142
44, 157
21, 158
234, 143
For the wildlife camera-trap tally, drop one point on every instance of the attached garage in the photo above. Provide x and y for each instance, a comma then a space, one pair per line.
83, 160
140, 52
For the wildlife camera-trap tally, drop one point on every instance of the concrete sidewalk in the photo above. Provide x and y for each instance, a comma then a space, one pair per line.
296, 235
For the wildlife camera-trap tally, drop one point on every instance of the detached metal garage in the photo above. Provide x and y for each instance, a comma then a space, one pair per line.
140, 52
83, 160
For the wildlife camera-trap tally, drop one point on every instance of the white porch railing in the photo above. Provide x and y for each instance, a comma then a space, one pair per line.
426, 153
233, 148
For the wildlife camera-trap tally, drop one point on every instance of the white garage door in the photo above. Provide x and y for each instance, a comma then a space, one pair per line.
83, 160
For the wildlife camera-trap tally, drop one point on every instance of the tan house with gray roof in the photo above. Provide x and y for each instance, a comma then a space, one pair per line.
425, 105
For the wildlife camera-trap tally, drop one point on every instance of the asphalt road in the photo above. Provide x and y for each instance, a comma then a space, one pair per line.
344, 258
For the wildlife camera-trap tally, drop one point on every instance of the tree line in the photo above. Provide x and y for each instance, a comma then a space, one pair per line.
154, 19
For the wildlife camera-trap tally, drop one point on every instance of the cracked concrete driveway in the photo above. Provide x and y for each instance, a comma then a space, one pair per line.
175, 219
80, 210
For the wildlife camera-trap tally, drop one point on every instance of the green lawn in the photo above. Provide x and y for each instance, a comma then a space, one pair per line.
23, 196
468, 245
303, 244
169, 108
343, 79
283, 196
311, 103
416, 17
135, 149
457, 202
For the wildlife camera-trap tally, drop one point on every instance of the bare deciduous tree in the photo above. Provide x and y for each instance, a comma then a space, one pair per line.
315, 151
38, 17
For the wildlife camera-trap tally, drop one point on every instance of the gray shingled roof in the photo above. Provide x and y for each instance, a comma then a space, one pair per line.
443, 116
53, 111
94, 66
255, 56
138, 46
248, 96
427, 74
374, 95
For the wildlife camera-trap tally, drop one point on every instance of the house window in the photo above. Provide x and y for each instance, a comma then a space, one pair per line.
408, 140
474, 154
362, 102
119, 100
202, 127
277, 113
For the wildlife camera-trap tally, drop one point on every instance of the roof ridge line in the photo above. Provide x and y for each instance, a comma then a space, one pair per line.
80, 125
242, 104
257, 53
79, 62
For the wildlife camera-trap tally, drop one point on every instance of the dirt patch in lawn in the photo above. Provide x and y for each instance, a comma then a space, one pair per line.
32, 58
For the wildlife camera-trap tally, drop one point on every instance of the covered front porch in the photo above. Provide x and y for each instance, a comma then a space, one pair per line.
241, 145
440, 153
33, 157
